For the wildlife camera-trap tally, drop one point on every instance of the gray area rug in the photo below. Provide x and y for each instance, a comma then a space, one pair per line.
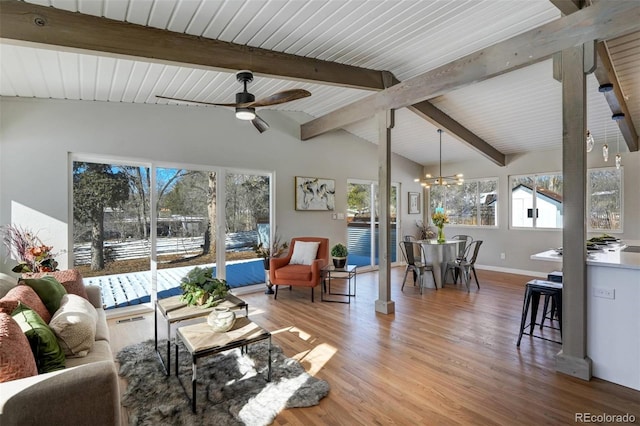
232, 388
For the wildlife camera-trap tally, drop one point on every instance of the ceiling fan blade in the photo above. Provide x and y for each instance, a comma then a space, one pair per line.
260, 124
281, 97
201, 102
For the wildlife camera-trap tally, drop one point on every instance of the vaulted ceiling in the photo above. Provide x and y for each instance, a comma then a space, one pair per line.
341, 51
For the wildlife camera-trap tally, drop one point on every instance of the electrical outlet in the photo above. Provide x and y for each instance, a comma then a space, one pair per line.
605, 293
503, 256
334, 216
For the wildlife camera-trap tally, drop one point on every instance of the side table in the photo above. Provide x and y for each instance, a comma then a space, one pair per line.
329, 273
200, 341
173, 310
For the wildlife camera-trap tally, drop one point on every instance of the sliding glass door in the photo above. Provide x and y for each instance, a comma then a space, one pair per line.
247, 212
139, 229
363, 222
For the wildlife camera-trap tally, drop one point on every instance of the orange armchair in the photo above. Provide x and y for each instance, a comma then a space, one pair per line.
283, 272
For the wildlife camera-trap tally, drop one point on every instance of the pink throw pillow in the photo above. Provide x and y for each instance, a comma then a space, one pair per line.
16, 358
26, 295
70, 279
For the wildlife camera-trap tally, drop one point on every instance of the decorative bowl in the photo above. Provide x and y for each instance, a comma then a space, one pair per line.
221, 319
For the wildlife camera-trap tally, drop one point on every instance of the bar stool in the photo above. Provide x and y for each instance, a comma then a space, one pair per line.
533, 291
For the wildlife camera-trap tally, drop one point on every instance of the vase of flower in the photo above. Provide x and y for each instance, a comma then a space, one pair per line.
26, 247
439, 218
266, 252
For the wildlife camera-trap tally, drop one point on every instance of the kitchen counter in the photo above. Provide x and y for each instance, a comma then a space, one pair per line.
614, 256
613, 312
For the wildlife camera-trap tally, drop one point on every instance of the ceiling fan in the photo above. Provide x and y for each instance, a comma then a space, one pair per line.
246, 103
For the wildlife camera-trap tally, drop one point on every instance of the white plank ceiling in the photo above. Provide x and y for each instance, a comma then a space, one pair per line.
517, 112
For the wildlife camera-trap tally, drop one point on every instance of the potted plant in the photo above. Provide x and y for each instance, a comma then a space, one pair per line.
339, 253
265, 252
200, 288
25, 246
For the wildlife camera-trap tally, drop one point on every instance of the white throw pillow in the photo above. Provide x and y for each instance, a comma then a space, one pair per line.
304, 253
75, 325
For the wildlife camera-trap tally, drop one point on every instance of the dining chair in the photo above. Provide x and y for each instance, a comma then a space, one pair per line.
463, 266
413, 254
462, 247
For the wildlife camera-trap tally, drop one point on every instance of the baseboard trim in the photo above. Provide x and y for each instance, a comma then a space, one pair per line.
512, 271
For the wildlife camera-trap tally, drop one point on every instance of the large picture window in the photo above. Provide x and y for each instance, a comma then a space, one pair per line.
139, 228
536, 200
604, 192
474, 203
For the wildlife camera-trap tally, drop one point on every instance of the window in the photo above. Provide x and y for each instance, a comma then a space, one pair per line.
474, 203
604, 192
536, 201
362, 229
139, 228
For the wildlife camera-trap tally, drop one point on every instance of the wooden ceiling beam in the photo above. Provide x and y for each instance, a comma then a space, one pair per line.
439, 118
32, 23
605, 74
603, 20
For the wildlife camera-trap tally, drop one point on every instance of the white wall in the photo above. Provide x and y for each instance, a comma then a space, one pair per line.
519, 244
37, 136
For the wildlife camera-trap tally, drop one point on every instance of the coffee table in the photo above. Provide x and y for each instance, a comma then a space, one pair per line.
347, 273
173, 310
200, 340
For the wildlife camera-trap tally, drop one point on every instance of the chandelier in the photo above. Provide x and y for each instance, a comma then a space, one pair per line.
440, 180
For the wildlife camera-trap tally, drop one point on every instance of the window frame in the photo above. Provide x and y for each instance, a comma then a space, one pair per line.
534, 204
588, 212
588, 208
478, 210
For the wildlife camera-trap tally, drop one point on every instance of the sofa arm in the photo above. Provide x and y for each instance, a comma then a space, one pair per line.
84, 395
95, 295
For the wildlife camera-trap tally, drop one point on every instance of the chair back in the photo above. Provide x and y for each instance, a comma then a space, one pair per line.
323, 248
474, 248
412, 251
409, 238
462, 246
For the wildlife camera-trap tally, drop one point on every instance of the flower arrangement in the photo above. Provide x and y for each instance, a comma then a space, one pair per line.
26, 247
276, 249
439, 218
426, 232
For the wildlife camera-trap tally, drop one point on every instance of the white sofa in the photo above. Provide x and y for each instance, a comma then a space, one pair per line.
86, 392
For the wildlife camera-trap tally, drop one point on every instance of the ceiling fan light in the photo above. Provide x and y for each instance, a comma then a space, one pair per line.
245, 113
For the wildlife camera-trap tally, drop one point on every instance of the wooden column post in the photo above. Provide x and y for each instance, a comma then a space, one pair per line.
572, 359
384, 304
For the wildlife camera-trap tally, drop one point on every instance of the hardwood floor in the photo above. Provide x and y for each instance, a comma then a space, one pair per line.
444, 357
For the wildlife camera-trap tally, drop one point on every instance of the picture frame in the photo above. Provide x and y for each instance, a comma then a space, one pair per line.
315, 194
414, 203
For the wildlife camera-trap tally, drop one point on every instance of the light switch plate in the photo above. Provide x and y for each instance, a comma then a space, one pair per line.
605, 293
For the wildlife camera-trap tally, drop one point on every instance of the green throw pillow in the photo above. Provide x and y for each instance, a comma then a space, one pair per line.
44, 344
49, 290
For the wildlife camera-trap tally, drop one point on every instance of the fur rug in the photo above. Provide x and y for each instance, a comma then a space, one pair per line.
232, 388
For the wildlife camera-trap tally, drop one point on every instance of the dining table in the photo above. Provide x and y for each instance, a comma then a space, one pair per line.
438, 254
